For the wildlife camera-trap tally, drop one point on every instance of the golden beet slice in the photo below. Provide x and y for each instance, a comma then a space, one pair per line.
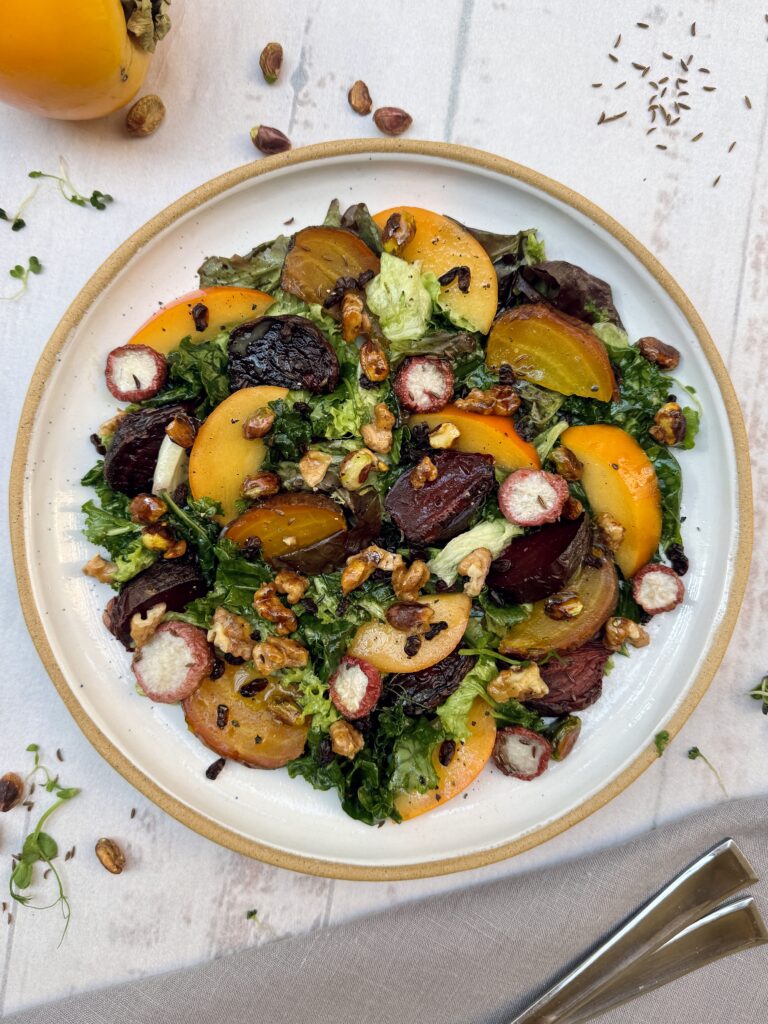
318, 257
245, 729
287, 522
539, 634
469, 759
551, 349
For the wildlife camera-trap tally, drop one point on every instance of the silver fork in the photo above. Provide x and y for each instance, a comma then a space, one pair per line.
675, 932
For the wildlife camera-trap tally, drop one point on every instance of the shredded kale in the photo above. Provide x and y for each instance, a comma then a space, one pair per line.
109, 525
197, 372
235, 581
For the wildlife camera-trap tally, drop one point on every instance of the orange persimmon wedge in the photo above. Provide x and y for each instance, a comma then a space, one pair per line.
549, 348
221, 457
485, 435
318, 257
468, 761
285, 523
384, 646
441, 244
226, 307
619, 478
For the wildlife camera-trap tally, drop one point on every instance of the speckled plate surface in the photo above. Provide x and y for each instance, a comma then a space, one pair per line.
267, 814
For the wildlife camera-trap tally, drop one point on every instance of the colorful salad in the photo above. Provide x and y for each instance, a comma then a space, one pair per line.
384, 499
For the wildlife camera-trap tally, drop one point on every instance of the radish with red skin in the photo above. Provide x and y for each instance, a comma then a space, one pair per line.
521, 753
135, 372
173, 663
355, 687
532, 497
657, 588
424, 384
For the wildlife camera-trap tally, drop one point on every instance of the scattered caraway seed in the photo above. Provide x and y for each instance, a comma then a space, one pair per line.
59, 755
289, 221
659, 146
614, 117
696, 755
697, 137
715, 182
133, 813
651, 130
709, 88
618, 41
597, 85
621, 85
661, 740
667, 56
705, 71
641, 24
613, 57
732, 147
748, 102
693, 29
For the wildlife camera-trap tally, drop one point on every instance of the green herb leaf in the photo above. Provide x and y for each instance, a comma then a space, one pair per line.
661, 739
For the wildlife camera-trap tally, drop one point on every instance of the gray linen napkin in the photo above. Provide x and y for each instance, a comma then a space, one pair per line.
477, 956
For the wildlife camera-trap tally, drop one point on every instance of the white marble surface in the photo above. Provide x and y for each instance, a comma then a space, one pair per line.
509, 77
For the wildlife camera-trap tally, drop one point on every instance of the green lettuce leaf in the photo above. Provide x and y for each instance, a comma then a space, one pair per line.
454, 713
402, 298
261, 268
493, 534
412, 767
547, 439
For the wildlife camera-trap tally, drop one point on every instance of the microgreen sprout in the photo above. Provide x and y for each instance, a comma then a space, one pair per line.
40, 846
98, 200
20, 273
696, 755
661, 739
16, 220
760, 692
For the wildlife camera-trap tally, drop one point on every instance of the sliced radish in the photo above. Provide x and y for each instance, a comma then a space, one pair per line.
171, 468
657, 589
521, 753
173, 663
532, 497
355, 687
424, 383
135, 372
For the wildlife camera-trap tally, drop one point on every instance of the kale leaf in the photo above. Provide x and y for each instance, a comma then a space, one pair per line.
108, 524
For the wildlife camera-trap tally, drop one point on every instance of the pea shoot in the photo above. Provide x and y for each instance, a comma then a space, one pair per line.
760, 692
98, 200
40, 847
696, 755
21, 273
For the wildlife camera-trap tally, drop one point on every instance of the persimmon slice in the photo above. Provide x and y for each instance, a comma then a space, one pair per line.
486, 435
318, 257
286, 523
551, 349
246, 730
224, 308
539, 634
469, 759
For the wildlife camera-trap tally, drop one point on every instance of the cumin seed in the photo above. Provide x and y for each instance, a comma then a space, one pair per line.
621, 85
613, 57
693, 28
601, 118
704, 71
714, 183
639, 67
674, 121
709, 88
659, 146
59, 755
133, 812
618, 41
597, 85
697, 137
667, 56
731, 147
682, 106
614, 117
748, 102
650, 130
641, 24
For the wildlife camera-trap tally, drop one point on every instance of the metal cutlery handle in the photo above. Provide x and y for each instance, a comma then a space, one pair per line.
720, 872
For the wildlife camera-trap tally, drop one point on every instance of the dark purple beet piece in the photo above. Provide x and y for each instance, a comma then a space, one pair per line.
575, 680
441, 509
538, 564
285, 351
129, 464
173, 583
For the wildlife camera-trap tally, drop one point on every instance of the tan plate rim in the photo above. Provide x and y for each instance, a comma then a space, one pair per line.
115, 263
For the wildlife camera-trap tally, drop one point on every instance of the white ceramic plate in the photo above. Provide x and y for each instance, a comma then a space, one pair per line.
267, 814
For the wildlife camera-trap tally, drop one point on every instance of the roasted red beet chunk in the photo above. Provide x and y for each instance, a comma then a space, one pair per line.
423, 691
441, 509
285, 351
424, 383
129, 465
172, 583
541, 563
575, 680
521, 753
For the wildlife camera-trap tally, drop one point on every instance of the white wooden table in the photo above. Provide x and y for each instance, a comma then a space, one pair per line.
510, 77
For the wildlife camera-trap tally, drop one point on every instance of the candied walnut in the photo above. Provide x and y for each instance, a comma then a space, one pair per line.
359, 98
176, 550
100, 569
356, 467
231, 634
521, 682
475, 567
294, 654
276, 653
373, 361
313, 466
269, 606
378, 435
612, 532
424, 473
408, 581
669, 424
11, 791
410, 618
659, 353
398, 232
444, 435
565, 605
146, 509
259, 424
346, 740
499, 400
285, 710
354, 317
143, 627
157, 538
292, 584
572, 508
566, 463
110, 856
182, 430
620, 631
363, 565
260, 485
